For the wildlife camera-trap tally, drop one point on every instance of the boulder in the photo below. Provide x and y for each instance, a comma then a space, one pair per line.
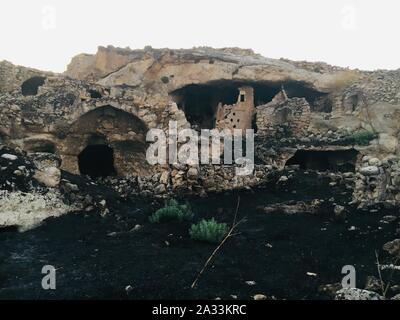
8, 156
369, 171
192, 173
49, 176
392, 247
340, 212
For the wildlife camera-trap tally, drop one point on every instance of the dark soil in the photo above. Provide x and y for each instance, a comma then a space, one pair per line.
98, 257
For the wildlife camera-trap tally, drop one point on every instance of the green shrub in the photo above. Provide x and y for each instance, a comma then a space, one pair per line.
208, 231
171, 211
165, 79
363, 137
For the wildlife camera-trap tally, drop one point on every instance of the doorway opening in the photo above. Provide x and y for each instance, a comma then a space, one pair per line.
97, 161
338, 160
31, 86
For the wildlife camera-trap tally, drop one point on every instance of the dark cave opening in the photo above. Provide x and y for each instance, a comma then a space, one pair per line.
31, 86
200, 101
331, 160
40, 146
97, 161
94, 94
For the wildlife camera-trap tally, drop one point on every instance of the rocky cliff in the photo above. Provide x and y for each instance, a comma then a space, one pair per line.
309, 116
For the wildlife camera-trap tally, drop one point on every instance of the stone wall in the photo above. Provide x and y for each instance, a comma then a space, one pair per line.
239, 115
288, 117
378, 181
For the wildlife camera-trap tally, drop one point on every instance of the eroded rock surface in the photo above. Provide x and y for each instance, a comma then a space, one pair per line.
312, 115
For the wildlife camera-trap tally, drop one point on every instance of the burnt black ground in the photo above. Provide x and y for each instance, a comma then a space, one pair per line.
98, 257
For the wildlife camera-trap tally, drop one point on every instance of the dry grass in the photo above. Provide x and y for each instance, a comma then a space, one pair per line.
343, 79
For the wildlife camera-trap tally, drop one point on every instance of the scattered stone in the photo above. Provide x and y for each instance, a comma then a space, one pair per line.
374, 162
259, 297
329, 290
69, 187
357, 294
340, 213
160, 189
50, 177
395, 288
388, 219
136, 228
392, 247
8, 156
112, 234
369, 171
128, 289
283, 179
192, 173
164, 178
373, 284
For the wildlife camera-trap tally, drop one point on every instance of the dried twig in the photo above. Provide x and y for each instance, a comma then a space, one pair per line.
229, 234
384, 288
379, 273
391, 276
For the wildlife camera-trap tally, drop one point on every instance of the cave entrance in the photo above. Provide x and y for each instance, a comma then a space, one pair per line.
337, 160
31, 86
200, 101
97, 161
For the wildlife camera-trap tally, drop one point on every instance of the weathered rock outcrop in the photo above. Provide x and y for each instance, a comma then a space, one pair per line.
104, 105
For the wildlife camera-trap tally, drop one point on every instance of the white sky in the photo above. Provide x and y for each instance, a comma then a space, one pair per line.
45, 34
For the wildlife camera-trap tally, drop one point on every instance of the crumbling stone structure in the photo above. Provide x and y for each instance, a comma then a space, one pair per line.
239, 115
104, 104
283, 116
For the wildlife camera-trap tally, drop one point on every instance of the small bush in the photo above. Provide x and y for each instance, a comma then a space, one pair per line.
208, 231
363, 137
171, 211
164, 79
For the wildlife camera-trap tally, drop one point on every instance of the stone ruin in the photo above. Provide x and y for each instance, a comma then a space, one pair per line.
94, 117
238, 115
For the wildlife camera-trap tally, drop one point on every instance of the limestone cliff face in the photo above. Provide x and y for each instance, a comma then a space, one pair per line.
167, 70
299, 109
354, 99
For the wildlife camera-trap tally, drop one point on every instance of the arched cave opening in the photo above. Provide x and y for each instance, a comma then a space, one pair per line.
31, 86
330, 160
97, 161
